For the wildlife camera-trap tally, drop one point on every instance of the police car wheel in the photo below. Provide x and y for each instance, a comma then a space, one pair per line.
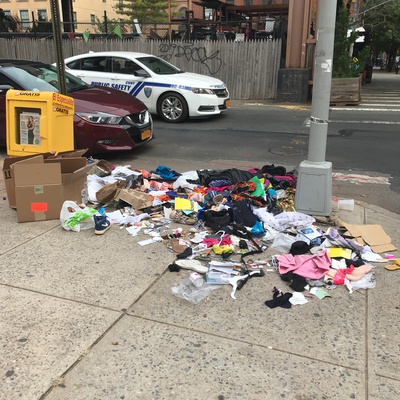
172, 107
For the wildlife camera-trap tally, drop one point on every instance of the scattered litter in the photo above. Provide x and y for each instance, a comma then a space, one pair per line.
226, 221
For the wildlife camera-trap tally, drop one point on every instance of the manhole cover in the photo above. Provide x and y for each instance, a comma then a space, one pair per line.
288, 151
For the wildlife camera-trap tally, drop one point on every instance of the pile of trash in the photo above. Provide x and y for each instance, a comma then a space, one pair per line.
219, 224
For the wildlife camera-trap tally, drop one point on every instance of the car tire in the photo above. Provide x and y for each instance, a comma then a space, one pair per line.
172, 107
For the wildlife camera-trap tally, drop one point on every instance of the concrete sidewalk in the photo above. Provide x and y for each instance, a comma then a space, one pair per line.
93, 317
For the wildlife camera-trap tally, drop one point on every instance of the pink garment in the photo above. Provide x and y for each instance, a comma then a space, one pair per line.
352, 274
312, 266
220, 188
209, 242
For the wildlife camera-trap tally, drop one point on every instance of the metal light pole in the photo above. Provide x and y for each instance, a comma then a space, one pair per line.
55, 17
314, 185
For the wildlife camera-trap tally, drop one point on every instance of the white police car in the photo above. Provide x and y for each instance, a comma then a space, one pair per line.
173, 94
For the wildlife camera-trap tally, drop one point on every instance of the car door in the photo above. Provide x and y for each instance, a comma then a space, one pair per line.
131, 78
92, 70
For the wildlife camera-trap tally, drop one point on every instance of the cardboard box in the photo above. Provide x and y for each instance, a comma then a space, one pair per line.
69, 154
43, 173
9, 176
9, 163
74, 176
137, 199
108, 192
38, 191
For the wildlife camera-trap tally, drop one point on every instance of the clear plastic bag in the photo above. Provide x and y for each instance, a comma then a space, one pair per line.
368, 281
283, 242
188, 291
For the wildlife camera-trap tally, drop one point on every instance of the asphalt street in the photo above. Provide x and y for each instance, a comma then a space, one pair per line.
362, 142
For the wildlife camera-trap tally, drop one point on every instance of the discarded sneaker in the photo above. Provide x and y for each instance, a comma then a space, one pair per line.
193, 265
101, 224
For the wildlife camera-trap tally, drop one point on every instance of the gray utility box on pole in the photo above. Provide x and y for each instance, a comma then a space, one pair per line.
314, 184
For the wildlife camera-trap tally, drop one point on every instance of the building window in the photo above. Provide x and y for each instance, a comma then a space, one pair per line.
208, 13
182, 13
230, 2
92, 19
24, 17
42, 15
7, 13
248, 2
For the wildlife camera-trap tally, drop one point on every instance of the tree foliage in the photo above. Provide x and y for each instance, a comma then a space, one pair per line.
8, 23
345, 63
100, 26
382, 19
145, 11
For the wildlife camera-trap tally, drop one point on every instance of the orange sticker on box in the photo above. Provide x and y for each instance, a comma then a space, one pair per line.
39, 207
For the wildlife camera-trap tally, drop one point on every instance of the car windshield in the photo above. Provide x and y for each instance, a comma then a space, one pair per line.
41, 78
159, 66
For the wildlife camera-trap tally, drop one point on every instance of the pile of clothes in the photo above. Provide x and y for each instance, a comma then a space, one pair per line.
240, 213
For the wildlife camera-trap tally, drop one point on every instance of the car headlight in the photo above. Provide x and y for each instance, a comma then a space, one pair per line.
143, 118
100, 118
202, 91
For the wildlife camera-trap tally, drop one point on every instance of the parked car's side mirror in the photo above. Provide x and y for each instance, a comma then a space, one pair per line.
141, 73
5, 88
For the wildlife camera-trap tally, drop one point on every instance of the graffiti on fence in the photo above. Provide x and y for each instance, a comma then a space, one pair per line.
197, 54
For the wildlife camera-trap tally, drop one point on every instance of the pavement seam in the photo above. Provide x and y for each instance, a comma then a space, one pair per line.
29, 240
81, 357
60, 297
88, 350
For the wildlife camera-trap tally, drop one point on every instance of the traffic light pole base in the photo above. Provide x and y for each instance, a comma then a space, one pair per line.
314, 188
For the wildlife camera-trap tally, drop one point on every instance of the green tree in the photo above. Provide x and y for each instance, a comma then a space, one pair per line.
344, 65
382, 19
145, 11
8, 23
100, 26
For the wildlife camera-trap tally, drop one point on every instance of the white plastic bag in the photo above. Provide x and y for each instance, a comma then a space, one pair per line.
75, 218
283, 242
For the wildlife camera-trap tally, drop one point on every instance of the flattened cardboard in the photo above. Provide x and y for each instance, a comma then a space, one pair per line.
372, 235
38, 191
135, 198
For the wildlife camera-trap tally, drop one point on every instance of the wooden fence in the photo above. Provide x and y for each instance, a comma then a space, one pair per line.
249, 69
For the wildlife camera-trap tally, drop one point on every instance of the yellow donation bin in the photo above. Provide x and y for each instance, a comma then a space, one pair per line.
38, 122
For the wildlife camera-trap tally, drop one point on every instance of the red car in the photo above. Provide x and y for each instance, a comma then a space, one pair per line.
105, 119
